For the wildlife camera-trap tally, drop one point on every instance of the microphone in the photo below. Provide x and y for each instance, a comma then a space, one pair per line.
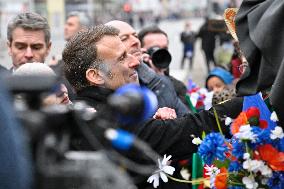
133, 103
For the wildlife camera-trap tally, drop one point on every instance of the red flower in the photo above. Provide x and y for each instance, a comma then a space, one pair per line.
199, 104
229, 153
221, 179
272, 156
253, 112
263, 124
238, 122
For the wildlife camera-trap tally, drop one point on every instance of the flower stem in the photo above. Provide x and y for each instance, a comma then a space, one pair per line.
196, 181
217, 121
236, 183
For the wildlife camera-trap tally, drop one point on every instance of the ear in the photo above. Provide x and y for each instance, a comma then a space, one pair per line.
9, 47
48, 48
94, 76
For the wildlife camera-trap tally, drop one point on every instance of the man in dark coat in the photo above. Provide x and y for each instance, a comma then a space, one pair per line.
95, 72
153, 36
208, 40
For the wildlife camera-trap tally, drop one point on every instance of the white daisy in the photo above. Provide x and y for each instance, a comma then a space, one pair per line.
246, 156
245, 133
274, 116
249, 182
211, 170
277, 133
196, 141
162, 172
253, 165
228, 121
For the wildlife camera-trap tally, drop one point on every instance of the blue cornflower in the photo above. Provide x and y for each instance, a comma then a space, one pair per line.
263, 135
278, 144
238, 148
276, 181
213, 146
234, 166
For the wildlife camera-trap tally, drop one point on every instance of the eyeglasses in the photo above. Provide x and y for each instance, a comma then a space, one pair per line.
242, 68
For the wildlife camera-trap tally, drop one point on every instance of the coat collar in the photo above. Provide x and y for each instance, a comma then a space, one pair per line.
95, 97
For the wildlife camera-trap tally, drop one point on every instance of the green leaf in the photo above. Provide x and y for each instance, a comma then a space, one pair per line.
253, 121
203, 135
219, 163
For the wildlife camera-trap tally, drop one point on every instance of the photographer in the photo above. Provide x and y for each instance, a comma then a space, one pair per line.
156, 42
95, 72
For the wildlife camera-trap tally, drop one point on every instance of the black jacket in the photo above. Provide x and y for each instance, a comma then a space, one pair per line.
180, 88
259, 26
171, 137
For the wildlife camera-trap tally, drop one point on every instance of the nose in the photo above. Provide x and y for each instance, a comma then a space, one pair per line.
29, 53
134, 41
133, 61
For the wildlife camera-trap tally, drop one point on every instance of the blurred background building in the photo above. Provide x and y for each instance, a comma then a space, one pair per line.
101, 11
170, 15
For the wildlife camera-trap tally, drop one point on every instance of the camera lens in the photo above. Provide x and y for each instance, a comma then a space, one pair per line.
161, 58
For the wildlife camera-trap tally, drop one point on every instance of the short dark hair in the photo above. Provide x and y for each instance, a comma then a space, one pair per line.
80, 54
147, 30
29, 21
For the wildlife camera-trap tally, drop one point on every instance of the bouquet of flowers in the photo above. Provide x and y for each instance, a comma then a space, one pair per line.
252, 158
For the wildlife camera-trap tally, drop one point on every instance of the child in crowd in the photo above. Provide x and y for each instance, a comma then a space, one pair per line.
220, 81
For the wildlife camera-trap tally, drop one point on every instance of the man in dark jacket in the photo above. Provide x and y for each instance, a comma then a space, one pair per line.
153, 36
207, 43
95, 72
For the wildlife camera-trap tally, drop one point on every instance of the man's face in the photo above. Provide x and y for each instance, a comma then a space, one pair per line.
155, 40
72, 26
27, 46
121, 64
129, 38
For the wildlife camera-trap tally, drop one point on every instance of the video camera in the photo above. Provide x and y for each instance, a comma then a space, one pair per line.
161, 57
69, 145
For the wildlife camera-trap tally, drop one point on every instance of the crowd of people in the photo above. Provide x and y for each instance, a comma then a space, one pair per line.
98, 60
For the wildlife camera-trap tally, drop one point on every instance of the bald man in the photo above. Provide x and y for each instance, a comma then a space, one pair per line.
160, 85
